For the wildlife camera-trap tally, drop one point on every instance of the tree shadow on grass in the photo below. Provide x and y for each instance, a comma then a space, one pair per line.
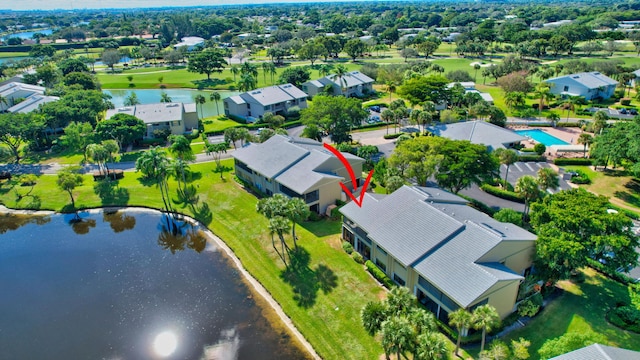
324, 227
203, 213
110, 193
221, 170
306, 282
209, 83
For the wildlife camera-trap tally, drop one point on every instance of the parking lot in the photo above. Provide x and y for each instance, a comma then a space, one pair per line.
519, 169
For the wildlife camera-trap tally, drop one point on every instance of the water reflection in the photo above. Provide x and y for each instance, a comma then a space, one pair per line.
226, 349
11, 222
119, 220
182, 235
165, 343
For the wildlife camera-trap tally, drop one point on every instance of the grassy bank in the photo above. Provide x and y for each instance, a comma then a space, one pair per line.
323, 298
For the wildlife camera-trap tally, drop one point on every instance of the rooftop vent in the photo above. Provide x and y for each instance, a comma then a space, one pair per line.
256, 92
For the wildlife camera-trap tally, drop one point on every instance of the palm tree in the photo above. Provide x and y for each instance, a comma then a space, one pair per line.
476, 67
485, 317
154, 165
200, 100
507, 157
297, 211
586, 140
265, 69
391, 88
215, 98
279, 225
548, 179
571, 103
554, 118
543, 92
235, 70
249, 68
247, 82
431, 346
514, 99
437, 68
165, 98
461, 320
400, 301
372, 315
339, 76
97, 153
272, 72
387, 115
397, 336
181, 148
528, 187
325, 69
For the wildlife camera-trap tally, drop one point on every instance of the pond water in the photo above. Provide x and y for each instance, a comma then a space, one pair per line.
116, 286
28, 34
149, 96
12, 58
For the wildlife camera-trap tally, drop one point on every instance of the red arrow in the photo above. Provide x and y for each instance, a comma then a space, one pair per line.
347, 166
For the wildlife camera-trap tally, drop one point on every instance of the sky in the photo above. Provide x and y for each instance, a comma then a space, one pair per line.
102, 4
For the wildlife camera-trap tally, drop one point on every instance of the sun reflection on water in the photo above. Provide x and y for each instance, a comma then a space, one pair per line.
165, 343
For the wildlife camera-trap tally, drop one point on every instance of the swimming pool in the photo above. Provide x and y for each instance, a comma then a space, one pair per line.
541, 137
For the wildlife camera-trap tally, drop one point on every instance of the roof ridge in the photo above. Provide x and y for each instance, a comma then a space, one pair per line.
602, 351
485, 229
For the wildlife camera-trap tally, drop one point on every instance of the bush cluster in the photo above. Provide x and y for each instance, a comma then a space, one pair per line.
610, 273
581, 178
357, 257
625, 317
573, 161
504, 194
532, 158
568, 124
393, 136
379, 274
347, 247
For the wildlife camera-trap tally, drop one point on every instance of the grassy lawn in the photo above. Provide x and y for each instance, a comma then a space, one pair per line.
621, 189
324, 298
580, 308
218, 123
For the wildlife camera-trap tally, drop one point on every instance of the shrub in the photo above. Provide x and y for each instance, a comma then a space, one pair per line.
357, 257
625, 102
527, 150
625, 317
581, 178
528, 308
335, 214
393, 136
28, 179
347, 247
503, 194
532, 158
539, 148
573, 161
478, 205
568, 124
610, 273
379, 274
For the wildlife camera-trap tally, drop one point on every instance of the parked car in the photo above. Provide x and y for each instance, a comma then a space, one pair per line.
375, 108
623, 111
633, 112
374, 119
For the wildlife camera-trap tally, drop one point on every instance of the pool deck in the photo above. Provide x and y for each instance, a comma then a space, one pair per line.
570, 135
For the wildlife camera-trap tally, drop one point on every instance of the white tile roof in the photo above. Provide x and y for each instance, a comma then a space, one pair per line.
599, 352
590, 80
152, 113
477, 132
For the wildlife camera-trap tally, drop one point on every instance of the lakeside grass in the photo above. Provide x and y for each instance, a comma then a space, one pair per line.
323, 300
580, 308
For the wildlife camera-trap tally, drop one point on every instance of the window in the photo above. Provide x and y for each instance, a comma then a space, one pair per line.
381, 265
381, 250
347, 235
566, 88
267, 108
400, 281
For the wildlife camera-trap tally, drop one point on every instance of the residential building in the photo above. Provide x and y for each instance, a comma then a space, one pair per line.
478, 132
635, 80
354, 84
180, 118
277, 99
590, 85
599, 352
450, 255
470, 87
16, 92
31, 103
191, 42
297, 167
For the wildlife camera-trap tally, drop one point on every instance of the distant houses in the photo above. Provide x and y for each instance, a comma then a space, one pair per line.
297, 167
277, 99
353, 84
478, 132
470, 87
450, 255
179, 118
590, 85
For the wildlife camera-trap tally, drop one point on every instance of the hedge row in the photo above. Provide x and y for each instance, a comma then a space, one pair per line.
573, 161
379, 274
532, 158
626, 318
393, 136
567, 124
611, 274
503, 194
478, 205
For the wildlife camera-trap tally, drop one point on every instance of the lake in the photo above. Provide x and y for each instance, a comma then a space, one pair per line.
12, 58
116, 286
28, 34
149, 96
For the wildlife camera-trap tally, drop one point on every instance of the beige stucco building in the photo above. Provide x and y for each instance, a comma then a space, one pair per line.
450, 255
297, 167
180, 118
277, 99
352, 84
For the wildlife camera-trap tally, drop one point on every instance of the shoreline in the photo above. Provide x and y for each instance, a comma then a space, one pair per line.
253, 284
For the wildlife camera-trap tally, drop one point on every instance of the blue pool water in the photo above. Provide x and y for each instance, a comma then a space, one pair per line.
542, 137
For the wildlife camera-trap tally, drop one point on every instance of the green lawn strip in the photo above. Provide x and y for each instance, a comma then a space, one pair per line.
13, 54
581, 307
217, 123
617, 187
331, 323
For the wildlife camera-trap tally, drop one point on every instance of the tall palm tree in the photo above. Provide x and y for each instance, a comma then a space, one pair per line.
181, 148
235, 70
485, 317
387, 115
460, 319
200, 100
325, 69
247, 82
507, 157
339, 75
586, 140
272, 72
165, 98
543, 92
215, 98
431, 346
571, 104
297, 211
514, 99
397, 336
372, 315
265, 69
476, 67
154, 165
391, 88
554, 118
249, 68
279, 225
528, 187
548, 179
